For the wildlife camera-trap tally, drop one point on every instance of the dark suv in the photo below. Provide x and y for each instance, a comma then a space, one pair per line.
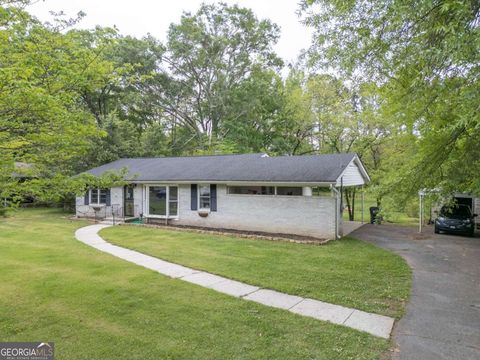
457, 219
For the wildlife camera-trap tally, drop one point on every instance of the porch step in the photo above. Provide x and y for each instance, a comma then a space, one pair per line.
109, 221
118, 220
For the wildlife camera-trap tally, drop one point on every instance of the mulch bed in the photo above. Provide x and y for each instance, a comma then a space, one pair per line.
299, 239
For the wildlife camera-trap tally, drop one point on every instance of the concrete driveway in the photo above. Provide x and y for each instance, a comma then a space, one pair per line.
443, 315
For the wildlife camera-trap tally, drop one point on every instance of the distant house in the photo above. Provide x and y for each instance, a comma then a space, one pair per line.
254, 192
22, 170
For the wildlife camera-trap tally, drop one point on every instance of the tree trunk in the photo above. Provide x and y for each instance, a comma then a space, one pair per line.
350, 199
354, 191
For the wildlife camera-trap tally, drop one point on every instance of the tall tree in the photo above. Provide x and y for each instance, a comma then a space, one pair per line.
425, 57
123, 106
212, 87
42, 120
293, 127
209, 57
347, 120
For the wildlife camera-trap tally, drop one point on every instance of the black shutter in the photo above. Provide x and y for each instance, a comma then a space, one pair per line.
193, 194
213, 197
108, 200
87, 198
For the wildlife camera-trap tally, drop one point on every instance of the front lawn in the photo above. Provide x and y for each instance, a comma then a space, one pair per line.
96, 306
347, 272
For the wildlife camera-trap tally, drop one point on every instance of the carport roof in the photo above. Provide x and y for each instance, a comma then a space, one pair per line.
234, 168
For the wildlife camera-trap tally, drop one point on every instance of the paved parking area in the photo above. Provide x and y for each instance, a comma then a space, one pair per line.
443, 315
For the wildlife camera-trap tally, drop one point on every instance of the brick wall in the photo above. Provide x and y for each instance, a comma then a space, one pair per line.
302, 215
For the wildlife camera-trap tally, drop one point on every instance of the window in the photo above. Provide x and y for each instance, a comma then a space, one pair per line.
98, 196
286, 190
102, 194
163, 201
321, 191
157, 200
265, 190
94, 196
173, 201
251, 190
204, 197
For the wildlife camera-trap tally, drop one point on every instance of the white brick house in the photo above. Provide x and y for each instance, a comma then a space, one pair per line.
287, 194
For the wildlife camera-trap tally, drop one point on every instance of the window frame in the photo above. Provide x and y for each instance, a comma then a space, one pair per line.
167, 200
275, 194
99, 196
199, 196
289, 187
229, 187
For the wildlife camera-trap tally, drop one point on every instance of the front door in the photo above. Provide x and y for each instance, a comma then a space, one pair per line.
129, 208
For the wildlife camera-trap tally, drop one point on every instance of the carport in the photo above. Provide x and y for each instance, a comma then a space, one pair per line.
461, 198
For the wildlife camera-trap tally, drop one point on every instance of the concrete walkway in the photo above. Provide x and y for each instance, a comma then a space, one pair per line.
350, 226
374, 324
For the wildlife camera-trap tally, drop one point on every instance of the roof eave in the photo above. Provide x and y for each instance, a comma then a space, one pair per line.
361, 167
237, 182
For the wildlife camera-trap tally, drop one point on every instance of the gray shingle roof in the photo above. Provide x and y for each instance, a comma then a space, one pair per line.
245, 167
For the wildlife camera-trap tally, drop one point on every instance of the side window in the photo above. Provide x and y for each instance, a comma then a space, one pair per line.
173, 200
204, 197
99, 196
94, 196
251, 190
290, 191
102, 195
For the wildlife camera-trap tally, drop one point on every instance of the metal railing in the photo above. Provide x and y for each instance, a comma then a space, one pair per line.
114, 212
117, 213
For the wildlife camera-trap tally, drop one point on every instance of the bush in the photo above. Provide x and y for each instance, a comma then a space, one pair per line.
412, 208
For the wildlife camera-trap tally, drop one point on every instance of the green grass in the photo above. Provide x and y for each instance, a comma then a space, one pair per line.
96, 306
390, 215
347, 272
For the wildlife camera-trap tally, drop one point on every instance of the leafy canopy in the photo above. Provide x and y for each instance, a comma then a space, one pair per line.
42, 120
424, 56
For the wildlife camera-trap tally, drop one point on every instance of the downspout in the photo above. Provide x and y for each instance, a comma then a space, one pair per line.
341, 193
363, 201
144, 202
337, 210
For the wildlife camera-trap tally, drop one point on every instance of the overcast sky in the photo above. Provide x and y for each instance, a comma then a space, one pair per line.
139, 17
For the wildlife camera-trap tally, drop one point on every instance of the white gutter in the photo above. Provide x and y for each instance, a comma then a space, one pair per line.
252, 183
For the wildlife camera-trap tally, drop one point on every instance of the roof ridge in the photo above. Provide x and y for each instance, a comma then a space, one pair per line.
310, 155
187, 156
218, 155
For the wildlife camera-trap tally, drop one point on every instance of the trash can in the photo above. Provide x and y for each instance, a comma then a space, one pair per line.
374, 210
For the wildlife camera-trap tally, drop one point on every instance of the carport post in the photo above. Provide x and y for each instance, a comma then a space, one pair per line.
420, 194
363, 200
